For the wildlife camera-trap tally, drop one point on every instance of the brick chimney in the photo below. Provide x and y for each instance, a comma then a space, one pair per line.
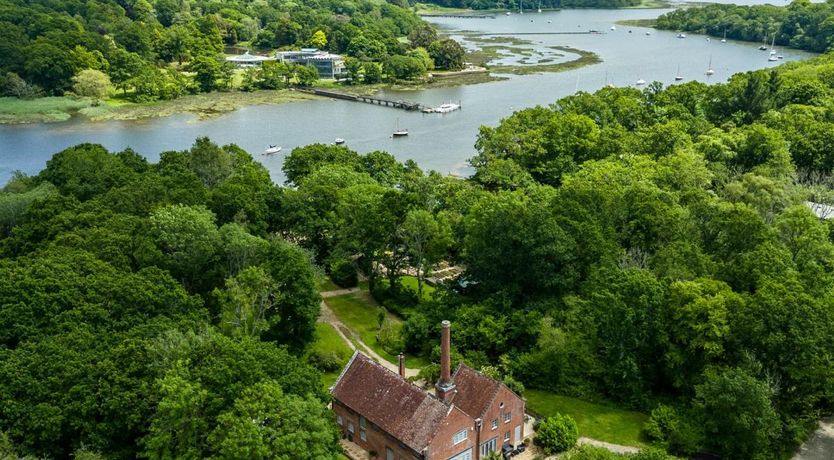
445, 387
402, 365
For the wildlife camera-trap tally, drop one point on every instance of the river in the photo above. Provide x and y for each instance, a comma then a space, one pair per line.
442, 142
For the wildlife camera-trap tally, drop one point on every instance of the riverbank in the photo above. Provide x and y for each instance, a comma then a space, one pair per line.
204, 106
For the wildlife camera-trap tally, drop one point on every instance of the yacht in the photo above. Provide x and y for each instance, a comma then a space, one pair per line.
724, 40
508, 13
678, 76
613, 27
709, 67
772, 58
640, 82
779, 56
447, 107
681, 35
339, 141
763, 46
400, 132
272, 149
648, 32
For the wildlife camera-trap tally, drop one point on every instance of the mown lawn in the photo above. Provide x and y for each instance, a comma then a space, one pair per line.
328, 340
597, 421
359, 311
410, 282
324, 284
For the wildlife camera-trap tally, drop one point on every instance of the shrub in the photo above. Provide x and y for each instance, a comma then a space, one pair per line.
557, 434
589, 452
325, 361
343, 273
672, 432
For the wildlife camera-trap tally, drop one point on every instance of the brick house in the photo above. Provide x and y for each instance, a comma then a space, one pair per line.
468, 416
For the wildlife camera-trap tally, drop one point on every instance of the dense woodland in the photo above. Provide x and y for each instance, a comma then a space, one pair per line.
651, 248
802, 24
162, 49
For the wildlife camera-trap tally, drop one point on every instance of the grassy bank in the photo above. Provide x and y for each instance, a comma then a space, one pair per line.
206, 105
637, 22
329, 341
585, 58
597, 421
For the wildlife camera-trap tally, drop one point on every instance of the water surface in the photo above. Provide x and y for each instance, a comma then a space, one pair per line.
440, 142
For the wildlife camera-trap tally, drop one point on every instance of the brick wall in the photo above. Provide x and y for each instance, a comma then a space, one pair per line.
512, 405
375, 440
442, 446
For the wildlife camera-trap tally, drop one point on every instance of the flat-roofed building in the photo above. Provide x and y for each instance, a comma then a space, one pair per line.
328, 64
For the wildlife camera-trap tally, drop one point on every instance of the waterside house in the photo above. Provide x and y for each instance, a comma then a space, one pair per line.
248, 60
468, 416
329, 65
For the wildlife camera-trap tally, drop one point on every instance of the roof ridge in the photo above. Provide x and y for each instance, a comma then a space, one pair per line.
344, 369
497, 383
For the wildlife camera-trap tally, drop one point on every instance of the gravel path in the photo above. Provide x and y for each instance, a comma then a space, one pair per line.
350, 337
820, 446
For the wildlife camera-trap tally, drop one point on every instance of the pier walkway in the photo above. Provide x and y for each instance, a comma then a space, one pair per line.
405, 105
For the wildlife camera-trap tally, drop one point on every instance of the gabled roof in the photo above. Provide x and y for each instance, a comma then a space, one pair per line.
475, 391
385, 399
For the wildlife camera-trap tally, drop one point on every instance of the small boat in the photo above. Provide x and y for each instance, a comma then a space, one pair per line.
613, 27
772, 58
724, 40
629, 31
400, 132
447, 107
550, 21
681, 35
640, 82
678, 76
779, 56
772, 43
272, 149
648, 32
763, 46
709, 67
708, 39
508, 13
540, 6
339, 141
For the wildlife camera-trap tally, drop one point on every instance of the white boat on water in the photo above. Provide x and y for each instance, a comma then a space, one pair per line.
447, 107
681, 35
399, 132
272, 149
339, 141
640, 82
678, 76
613, 27
709, 67
648, 32
724, 40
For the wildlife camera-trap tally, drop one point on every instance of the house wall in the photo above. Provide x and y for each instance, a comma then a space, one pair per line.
442, 446
376, 440
512, 405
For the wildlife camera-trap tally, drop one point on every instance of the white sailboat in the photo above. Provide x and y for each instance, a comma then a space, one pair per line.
678, 76
709, 67
613, 27
540, 6
400, 132
724, 40
764, 44
640, 82
772, 43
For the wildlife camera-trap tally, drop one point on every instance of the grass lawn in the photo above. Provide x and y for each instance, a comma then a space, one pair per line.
43, 109
410, 282
358, 311
324, 284
328, 340
597, 421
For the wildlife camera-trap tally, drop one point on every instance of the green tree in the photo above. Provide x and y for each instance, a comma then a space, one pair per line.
188, 241
447, 54
91, 83
319, 39
427, 238
248, 303
265, 423
557, 433
208, 70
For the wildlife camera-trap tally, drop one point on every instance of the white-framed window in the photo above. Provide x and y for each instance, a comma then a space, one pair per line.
489, 446
507, 436
362, 435
389, 453
350, 427
465, 455
339, 419
362, 422
507, 416
495, 424
460, 436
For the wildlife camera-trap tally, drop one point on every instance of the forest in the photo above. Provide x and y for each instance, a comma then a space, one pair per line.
666, 249
163, 49
802, 24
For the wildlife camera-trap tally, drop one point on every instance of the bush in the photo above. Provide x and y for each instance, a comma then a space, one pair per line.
343, 273
589, 452
672, 432
557, 434
325, 361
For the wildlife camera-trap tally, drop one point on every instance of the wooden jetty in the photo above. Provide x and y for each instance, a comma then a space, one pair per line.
462, 16
405, 105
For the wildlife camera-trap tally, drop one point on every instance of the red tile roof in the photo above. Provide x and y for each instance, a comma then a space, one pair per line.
385, 399
475, 391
